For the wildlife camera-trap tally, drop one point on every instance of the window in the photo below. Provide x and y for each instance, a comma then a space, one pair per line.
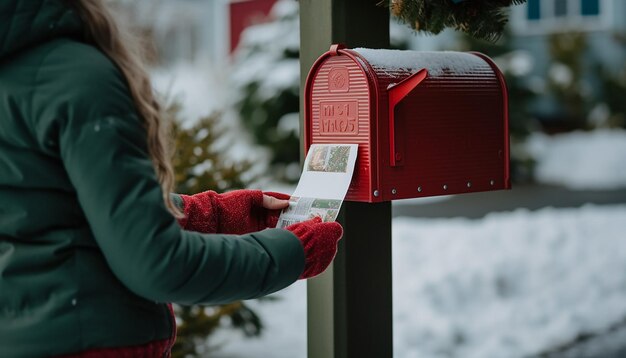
544, 16
590, 7
533, 10
541, 9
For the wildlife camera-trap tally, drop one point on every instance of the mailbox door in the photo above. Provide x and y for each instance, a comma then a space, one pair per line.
339, 109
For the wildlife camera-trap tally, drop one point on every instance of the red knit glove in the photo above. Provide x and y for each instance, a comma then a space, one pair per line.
236, 212
200, 212
320, 244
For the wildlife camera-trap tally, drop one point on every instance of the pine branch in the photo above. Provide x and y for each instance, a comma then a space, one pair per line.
480, 19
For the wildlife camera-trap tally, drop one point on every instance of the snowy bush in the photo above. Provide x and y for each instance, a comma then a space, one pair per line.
266, 78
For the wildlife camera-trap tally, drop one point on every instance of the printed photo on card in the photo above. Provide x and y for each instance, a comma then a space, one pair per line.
323, 185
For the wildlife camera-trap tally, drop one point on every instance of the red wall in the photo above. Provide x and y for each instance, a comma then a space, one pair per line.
246, 13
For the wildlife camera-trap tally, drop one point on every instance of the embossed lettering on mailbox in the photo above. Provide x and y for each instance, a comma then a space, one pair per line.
338, 117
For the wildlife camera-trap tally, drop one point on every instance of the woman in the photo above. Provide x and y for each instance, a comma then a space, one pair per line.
90, 248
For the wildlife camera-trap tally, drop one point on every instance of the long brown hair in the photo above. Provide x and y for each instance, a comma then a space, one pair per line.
125, 51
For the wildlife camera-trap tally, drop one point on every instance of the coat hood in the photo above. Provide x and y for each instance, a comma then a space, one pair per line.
25, 23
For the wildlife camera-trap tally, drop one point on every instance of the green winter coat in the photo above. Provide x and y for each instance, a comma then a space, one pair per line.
88, 252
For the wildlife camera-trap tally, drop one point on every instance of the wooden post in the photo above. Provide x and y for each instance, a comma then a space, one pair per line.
350, 306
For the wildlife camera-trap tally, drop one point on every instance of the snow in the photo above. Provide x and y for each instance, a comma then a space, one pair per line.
561, 74
260, 55
197, 88
437, 62
518, 63
422, 201
400, 35
513, 284
522, 63
284, 334
594, 160
289, 123
194, 85
272, 73
279, 77
284, 9
260, 61
599, 115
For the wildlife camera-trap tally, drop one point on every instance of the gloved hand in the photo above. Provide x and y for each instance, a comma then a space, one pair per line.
244, 211
319, 240
236, 212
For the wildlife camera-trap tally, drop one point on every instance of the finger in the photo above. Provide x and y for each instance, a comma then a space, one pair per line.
272, 203
277, 195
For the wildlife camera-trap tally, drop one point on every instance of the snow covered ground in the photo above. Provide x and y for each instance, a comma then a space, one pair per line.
513, 284
510, 285
581, 160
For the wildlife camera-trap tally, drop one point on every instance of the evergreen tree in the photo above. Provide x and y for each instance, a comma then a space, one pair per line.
566, 83
613, 96
266, 77
613, 92
483, 19
199, 166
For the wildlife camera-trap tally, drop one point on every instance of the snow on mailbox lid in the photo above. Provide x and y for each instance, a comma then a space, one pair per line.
427, 123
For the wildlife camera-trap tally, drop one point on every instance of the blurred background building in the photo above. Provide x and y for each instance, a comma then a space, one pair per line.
192, 30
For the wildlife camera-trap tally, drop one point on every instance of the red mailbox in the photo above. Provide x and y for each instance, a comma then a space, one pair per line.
427, 123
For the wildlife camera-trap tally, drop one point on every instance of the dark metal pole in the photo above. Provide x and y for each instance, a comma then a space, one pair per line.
350, 305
